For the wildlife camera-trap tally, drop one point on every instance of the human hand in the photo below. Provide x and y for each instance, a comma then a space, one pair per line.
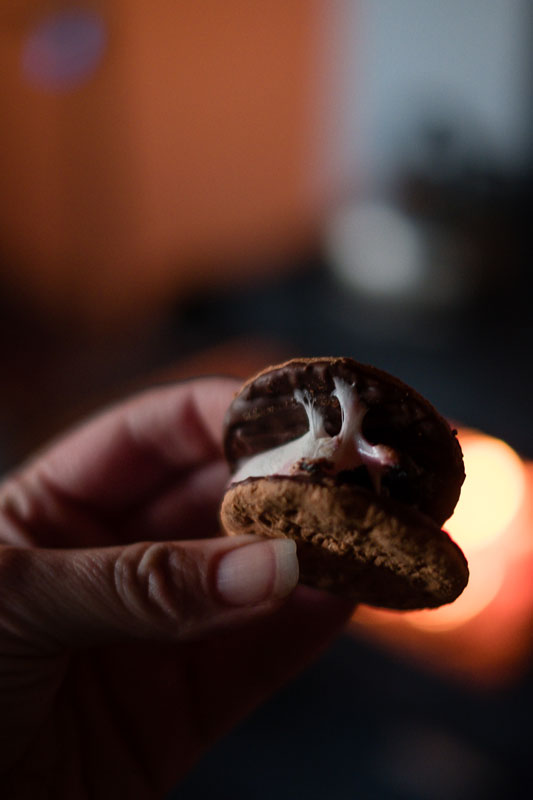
130, 639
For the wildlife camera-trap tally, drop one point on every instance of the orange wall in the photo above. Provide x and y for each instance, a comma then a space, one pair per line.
189, 149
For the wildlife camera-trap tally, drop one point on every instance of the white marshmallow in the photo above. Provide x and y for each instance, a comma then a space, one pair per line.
347, 450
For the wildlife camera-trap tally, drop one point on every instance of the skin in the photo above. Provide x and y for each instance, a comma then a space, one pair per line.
119, 662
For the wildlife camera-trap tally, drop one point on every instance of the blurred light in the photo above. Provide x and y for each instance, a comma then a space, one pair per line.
492, 493
64, 50
376, 249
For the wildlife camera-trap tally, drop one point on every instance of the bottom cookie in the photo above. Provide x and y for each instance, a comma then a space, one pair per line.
350, 541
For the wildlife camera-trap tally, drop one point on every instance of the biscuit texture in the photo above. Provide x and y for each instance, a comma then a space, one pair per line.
367, 548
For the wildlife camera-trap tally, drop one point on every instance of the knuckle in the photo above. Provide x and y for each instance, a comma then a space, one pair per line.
160, 583
17, 506
26, 507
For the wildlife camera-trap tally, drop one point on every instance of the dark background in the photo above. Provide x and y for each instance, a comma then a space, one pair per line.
163, 214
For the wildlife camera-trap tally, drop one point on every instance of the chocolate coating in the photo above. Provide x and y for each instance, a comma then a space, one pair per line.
429, 473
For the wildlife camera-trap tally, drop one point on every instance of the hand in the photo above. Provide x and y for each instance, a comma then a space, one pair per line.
130, 638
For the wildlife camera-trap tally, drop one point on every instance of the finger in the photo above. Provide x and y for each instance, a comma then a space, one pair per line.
32, 514
189, 508
131, 473
121, 457
165, 591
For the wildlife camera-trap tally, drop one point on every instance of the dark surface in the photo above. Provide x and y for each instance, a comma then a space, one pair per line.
360, 725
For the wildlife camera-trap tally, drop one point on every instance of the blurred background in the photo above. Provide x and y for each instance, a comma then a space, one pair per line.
192, 188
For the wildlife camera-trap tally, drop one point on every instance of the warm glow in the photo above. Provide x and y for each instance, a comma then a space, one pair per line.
492, 493
486, 578
485, 635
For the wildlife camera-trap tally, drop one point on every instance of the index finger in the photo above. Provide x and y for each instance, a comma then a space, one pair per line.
129, 452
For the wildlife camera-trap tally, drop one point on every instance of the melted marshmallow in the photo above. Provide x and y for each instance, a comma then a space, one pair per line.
347, 450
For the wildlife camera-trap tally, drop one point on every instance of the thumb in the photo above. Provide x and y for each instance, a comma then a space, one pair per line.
169, 591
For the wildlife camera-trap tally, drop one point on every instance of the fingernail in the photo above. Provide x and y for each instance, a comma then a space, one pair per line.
253, 573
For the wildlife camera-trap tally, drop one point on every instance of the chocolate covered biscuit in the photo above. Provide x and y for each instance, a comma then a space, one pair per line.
358, 469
